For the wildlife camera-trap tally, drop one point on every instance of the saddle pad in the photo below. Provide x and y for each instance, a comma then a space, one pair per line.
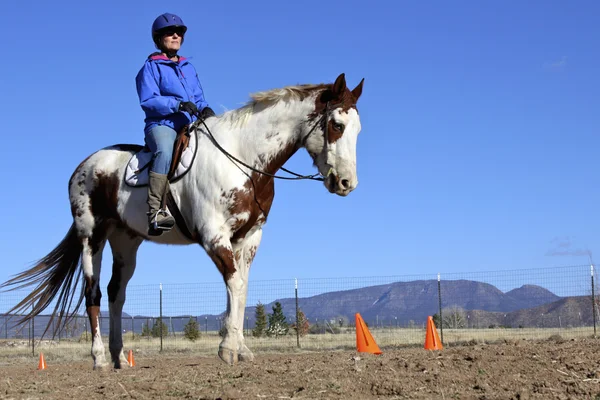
136, 172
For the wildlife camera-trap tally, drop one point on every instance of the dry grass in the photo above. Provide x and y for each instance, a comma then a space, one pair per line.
73, 350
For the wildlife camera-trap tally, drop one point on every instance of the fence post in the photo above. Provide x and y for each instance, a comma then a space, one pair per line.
593, 300
297, 314
161, 321
32, 334
440, 307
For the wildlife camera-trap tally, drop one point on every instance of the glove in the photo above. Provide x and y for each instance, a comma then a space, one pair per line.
207, 112
189, 107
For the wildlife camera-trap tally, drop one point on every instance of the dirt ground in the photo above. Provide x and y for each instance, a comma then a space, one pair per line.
523, 369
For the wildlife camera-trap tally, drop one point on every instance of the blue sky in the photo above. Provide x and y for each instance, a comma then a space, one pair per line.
479, 147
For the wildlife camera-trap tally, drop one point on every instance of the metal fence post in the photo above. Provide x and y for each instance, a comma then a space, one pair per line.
161, 321
297, 314
440, 307
32, 334
593, 300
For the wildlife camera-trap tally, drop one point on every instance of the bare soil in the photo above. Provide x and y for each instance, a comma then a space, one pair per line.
519, 369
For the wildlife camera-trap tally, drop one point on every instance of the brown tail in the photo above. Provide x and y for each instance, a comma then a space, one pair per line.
56, 273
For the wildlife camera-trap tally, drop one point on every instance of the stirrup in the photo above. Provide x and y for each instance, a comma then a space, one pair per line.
154, 227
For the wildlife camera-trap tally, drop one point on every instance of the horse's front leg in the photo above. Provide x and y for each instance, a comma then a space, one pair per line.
247, 249
221, 252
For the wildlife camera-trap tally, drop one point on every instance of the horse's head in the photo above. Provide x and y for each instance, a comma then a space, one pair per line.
332, 134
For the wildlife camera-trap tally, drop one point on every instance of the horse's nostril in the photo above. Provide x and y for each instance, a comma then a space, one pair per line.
345, 183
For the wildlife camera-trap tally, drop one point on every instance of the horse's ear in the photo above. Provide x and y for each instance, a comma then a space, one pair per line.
340, 85
357, 91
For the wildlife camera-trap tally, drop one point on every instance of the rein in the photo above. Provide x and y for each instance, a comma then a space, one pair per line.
314, 177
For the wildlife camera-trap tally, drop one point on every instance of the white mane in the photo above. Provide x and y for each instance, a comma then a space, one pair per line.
270, 97
298, 92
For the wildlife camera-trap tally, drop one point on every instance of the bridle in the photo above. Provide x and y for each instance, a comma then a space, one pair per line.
316, 177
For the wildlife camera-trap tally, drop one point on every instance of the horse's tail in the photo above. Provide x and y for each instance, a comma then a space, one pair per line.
55, 274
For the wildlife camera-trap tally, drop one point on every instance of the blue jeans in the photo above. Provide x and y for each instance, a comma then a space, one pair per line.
160, 139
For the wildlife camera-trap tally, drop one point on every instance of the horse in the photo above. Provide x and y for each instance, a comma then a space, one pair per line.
221, 202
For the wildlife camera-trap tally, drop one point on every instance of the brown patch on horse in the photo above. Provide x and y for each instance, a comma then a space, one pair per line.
256, 199
339, 96
257, 196
103, 206
93, 313
223, 259
251, 254
104, 195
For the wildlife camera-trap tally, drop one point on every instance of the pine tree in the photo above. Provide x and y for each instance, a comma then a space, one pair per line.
190, 330
436, 320
303, 325
277, 323
156, 328
261, 321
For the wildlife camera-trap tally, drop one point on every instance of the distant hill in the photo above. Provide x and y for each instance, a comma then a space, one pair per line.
415, 300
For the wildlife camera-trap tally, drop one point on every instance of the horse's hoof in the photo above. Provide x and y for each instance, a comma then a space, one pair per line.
246, 356
228, 356
100, 367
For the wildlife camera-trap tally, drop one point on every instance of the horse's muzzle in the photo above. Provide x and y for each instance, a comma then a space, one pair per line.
342, 186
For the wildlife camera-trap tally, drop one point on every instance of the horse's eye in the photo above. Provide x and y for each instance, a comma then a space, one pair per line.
339, 127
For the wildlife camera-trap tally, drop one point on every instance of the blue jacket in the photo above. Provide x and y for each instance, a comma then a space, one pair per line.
161, 85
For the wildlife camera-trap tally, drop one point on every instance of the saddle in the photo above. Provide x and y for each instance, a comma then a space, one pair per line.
184, 152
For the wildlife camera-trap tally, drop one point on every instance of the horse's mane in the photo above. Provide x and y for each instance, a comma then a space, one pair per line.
270, 97
297, 92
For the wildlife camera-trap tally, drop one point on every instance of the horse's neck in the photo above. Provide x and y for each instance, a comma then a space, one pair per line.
267, 137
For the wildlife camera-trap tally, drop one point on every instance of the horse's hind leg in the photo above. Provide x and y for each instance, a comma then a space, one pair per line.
91, 260
124, 245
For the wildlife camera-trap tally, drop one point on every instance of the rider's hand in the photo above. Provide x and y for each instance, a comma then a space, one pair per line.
207, 112
189, 107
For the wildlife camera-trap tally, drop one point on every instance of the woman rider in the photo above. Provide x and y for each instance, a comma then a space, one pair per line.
171, 96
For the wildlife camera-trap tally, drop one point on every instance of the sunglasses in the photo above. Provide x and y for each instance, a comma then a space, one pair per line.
172, 31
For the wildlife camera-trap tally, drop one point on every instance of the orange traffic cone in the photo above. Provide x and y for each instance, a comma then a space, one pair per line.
432, 340
130, 359
42, 363
364, 340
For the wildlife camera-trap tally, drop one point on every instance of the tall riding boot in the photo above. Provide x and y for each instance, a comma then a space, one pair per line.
158, 220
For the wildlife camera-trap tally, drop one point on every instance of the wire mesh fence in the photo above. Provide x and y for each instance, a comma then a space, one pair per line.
466, 307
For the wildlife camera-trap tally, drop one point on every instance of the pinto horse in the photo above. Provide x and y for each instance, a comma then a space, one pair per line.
223, 201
